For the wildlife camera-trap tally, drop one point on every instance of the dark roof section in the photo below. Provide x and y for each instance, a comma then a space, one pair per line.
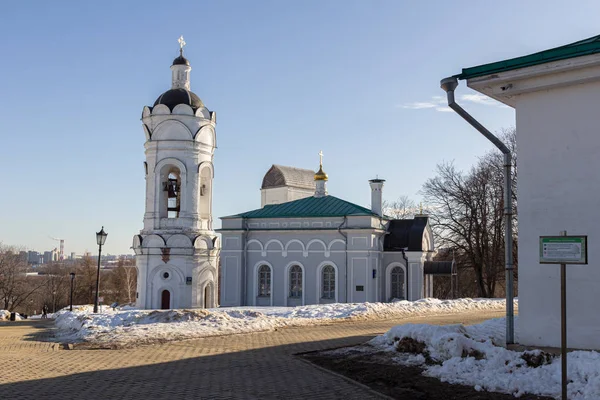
439, 268
405, 234
181, 60
173, 97
280, 175
581, 48
326, 206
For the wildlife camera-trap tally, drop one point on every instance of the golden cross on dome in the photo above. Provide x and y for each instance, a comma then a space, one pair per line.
181, 43
321, 157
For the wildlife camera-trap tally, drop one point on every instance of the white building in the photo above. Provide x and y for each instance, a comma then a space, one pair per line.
177, 250
556, 94
282, 184
322, 249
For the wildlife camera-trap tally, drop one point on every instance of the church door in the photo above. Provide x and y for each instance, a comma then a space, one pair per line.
165, 300
208, 296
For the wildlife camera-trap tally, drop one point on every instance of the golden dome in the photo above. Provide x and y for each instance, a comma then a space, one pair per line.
321, 176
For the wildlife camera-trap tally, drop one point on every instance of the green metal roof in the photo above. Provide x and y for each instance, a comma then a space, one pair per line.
577, 49
326, 206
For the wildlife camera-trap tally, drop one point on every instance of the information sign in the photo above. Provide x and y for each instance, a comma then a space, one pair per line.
563, 249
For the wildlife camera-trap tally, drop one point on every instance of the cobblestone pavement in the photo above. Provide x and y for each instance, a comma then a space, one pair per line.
247, 366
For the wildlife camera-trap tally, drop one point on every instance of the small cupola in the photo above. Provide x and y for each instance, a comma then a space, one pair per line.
181, 69
321, 179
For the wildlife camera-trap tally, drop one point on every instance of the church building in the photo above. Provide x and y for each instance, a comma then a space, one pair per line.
305, 246
177, 249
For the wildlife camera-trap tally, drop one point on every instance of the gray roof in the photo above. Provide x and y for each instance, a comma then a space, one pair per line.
280, 175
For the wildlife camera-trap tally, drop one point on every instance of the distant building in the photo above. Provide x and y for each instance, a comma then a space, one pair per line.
33, 257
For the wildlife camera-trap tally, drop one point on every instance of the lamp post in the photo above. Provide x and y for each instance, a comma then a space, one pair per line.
100, 239
72, 279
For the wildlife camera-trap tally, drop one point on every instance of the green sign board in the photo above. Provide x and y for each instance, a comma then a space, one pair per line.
563, 249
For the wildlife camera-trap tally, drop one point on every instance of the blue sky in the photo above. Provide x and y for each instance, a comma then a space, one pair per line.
355, 79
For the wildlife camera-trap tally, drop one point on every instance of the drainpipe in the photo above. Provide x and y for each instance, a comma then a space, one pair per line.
448, 85
345, 254
407, 273
245, 280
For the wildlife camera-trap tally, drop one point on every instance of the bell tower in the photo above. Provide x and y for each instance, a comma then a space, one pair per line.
177, 250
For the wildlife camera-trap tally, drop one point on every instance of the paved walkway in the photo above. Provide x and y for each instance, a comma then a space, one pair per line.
248, 366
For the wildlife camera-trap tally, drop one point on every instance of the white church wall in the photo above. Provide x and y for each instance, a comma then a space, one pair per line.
283, 194
282, 250
559, 189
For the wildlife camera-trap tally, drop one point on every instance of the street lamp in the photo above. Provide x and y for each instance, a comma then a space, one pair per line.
72, 279
100, 239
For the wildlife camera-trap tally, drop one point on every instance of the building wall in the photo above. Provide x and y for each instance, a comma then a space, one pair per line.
559, 189
283, 194
361, 265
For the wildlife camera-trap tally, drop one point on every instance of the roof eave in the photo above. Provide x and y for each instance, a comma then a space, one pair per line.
506, 86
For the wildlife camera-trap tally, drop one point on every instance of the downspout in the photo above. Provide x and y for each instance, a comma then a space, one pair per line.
407, 272
245, 280
345, 254
449, 85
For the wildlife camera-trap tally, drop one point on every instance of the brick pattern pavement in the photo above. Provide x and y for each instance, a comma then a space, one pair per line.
247, 366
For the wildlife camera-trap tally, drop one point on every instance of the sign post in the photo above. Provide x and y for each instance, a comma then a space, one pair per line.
563, 250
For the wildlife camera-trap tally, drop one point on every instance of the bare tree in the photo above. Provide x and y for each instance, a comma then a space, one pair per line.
15, 287
124, 281
401, 208
56, 288
467, 215
85, 281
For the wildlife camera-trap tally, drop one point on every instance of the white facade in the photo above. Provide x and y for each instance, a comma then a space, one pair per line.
276, 260
177, 250
282, 184
558, 145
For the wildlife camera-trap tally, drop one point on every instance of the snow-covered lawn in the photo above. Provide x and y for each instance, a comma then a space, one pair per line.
132, 327
470, 355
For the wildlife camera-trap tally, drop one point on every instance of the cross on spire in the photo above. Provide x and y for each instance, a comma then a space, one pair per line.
181, 44
321, 158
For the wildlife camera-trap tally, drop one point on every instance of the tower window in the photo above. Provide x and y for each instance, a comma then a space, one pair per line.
173, 188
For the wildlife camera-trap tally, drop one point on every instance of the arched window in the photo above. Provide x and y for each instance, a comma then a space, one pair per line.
296, 281
172, 186
264, 281
397, 282
328, 282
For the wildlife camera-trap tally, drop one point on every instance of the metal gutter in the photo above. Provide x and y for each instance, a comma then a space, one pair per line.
449, 85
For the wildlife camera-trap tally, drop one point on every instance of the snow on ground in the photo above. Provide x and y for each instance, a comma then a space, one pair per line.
131, 326
470, 355
5, 316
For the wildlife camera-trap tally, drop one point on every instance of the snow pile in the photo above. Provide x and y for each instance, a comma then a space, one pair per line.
470, 355
5, 316
129, 326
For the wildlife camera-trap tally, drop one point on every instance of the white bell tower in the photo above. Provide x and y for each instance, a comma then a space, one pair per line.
177, 250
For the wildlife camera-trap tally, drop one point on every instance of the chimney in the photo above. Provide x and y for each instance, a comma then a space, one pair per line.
376, 196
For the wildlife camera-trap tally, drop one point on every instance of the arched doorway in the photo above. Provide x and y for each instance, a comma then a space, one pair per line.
397, 284
208, 301
165, 300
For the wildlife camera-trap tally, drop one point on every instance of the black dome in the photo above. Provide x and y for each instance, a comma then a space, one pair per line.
173, 97
181, 60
